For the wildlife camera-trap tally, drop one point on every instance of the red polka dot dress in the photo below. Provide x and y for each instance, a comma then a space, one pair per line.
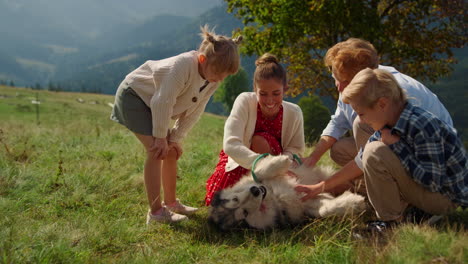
268, 129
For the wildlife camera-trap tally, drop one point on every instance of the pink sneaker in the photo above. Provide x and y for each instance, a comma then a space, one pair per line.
179, 208
164, 215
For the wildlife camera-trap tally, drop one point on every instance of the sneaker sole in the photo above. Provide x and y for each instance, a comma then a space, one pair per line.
165, 221
183, 213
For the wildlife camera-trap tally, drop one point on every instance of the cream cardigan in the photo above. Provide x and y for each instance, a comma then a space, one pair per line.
240, 127
171, 89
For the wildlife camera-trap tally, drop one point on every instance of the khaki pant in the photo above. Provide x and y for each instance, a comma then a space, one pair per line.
390, 187
346, 149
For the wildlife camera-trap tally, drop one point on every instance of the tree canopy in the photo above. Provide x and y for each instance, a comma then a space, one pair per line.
316, 117
416, 37
231, 87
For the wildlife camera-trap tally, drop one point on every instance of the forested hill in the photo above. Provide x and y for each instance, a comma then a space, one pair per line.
41, 38
100, 65
161, 37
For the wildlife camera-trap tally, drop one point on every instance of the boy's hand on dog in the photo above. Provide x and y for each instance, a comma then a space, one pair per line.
387, 137
310, 190
159, 148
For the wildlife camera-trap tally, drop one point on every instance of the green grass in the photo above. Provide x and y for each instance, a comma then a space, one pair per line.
71, 191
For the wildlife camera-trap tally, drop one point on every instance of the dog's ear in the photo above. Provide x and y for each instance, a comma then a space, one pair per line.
222, 219
212, 219
216, 200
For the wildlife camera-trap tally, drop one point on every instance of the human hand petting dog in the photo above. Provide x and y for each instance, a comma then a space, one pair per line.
310, 190
294, 162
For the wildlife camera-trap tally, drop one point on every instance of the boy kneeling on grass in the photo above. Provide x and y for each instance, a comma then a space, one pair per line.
413, 158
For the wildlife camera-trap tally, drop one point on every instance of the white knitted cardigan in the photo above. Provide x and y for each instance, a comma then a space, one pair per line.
240, 127
171, 88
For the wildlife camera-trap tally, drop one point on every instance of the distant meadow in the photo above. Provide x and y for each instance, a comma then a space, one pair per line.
71, 191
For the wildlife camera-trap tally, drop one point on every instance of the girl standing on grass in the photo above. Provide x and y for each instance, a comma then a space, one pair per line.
260, 122
175, 88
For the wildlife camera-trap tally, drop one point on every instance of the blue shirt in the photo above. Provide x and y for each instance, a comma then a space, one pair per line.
432, 152
417, 94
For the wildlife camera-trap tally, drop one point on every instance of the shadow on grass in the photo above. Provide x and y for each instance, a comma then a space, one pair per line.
457, 220
309, 233
336, 230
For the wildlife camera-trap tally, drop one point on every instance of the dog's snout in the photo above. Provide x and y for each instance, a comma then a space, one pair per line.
255, 191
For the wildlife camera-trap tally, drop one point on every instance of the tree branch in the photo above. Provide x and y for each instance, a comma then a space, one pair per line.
391, 6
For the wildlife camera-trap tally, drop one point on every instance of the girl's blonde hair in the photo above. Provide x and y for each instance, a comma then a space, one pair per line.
221, 52
371, 84
268, 67
349, 57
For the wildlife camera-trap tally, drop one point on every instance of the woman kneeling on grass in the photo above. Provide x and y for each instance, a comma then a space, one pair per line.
175, 88
260, 122
412, 158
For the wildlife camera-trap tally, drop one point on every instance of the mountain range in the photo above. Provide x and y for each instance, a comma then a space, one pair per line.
40, 38
90, 45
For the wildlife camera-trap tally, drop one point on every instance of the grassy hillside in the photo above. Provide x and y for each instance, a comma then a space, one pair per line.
71, 191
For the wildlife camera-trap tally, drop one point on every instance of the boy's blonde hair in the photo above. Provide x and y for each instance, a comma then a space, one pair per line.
268, 67
349, 57
371, 84
221, 52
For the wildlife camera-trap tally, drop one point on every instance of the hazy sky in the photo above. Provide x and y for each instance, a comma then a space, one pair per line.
93, 16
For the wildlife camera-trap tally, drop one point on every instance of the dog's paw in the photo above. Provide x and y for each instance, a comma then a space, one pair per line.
344, 204
272, 166
355, 201
314, 175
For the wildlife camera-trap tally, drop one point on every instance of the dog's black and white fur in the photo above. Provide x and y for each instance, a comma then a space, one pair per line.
273, 202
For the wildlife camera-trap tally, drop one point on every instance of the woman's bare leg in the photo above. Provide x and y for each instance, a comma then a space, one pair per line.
260, 145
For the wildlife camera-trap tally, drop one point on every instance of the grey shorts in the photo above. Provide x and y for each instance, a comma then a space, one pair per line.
131, 111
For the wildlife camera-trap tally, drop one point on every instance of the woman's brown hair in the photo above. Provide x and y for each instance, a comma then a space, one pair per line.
268, 67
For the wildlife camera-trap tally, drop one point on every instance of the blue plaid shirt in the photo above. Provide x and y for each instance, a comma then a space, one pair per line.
432, 152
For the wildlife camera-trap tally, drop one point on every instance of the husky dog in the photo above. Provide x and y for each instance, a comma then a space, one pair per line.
273, 202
